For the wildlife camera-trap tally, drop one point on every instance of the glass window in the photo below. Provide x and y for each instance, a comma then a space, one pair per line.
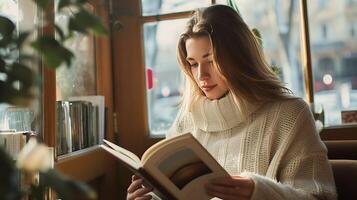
156, 7
353, 31
10, 9
164, 76
80, 120
12, 117
80, 78
322, 3
279, 25
221, 2
334, 58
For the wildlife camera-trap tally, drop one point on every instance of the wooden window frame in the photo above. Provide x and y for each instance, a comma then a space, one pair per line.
339, 132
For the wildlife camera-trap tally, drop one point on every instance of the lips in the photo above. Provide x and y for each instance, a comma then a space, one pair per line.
208, 87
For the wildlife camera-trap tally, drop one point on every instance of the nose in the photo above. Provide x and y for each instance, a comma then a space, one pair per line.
202, 73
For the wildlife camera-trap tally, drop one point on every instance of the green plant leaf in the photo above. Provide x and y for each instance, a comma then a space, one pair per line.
276, 70
42, 3
76, 25
21, 38
37, 192
21, 73
26, 57
232, 4
65, 3
2, 65
8, 174
84, 20
7, 28
14, 96
60, 32
81, 2
7, 92
20, 93
53, 52
258, 36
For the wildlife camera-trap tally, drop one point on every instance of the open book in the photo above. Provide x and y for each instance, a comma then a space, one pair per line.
177, 168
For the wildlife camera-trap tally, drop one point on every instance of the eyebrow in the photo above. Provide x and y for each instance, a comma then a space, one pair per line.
204, 56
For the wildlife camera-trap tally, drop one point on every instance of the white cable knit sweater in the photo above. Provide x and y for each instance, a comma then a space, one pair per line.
276, 145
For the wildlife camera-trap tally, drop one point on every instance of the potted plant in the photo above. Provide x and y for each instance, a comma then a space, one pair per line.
17, 85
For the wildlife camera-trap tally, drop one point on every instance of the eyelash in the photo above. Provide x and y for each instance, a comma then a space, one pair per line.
196, 64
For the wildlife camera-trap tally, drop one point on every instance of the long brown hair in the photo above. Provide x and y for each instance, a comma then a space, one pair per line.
237, 56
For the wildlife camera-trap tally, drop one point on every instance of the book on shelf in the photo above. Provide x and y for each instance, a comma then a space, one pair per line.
98, 103
80, 123
176, 168
63, 126
13, 141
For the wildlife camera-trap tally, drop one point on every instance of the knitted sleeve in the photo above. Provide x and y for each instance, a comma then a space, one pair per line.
304, 172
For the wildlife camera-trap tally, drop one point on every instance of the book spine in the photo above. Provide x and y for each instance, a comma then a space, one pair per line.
77, 126
63, 128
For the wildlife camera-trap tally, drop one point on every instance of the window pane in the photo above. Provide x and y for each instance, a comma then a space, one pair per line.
334, 56
279, 25
164, 88
156, 7
78, 79
221, 2
9, 9
20, 118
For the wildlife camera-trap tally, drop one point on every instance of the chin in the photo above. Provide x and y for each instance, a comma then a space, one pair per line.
213, 96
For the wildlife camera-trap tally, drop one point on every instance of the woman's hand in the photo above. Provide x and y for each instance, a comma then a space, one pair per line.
136, 190
230, 188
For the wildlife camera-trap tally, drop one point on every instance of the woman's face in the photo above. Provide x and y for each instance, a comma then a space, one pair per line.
200, 58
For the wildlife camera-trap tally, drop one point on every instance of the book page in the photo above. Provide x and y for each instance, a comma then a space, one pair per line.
123, 154
131, 161
183, 165
165, 142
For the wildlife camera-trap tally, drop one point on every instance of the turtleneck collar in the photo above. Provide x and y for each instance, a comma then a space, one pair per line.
218, 115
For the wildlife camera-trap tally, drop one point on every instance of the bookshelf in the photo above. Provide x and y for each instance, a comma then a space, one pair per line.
94, 166
92, 157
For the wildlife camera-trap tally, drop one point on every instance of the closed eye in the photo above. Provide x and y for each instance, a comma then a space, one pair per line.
194, 64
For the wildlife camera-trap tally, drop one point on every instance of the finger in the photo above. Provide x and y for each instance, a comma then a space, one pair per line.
142, 192
146, 197
145, 184
134, 177
136, 184
234, 191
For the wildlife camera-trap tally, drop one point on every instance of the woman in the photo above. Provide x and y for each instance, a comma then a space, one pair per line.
239, 110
